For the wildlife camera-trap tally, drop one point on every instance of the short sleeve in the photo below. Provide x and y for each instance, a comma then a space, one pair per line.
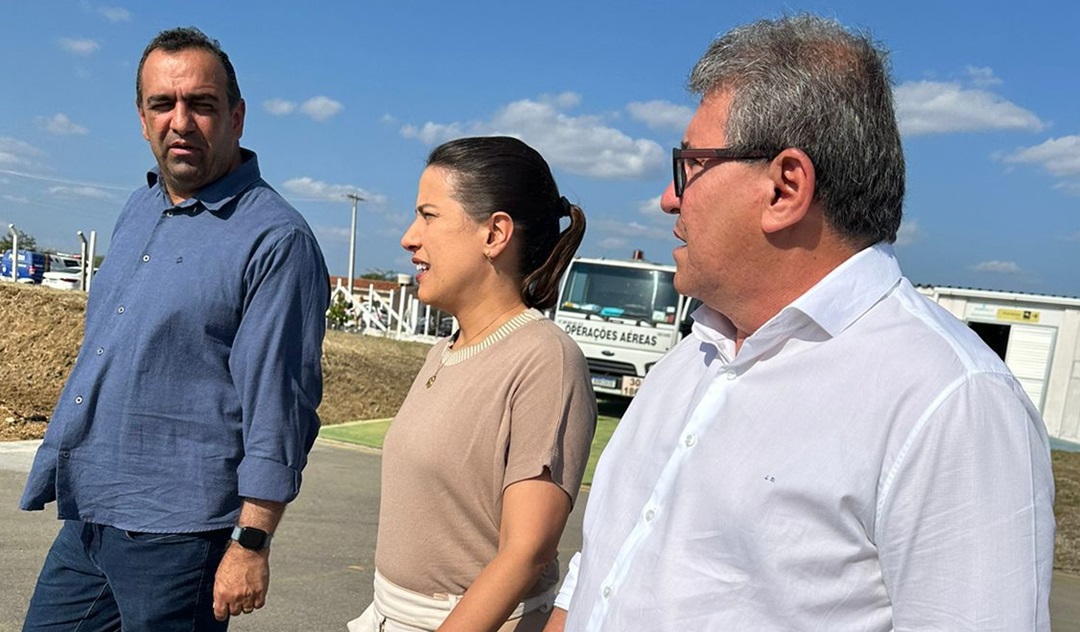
552, 415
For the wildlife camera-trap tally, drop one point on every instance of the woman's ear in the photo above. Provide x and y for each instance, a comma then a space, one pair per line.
500, 230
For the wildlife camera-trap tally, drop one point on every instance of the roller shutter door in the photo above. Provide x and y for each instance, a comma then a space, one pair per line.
1028, 357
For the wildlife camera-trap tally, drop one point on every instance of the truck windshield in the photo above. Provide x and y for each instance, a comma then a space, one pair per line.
621, 292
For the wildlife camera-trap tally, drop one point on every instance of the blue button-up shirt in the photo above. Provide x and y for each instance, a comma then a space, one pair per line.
199, 374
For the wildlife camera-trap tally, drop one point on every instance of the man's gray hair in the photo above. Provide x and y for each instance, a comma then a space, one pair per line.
809, 83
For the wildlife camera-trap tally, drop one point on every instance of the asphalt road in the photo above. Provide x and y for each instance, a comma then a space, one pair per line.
322, 560
321, 565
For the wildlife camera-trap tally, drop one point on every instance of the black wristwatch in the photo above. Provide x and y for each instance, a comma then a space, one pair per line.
251, 538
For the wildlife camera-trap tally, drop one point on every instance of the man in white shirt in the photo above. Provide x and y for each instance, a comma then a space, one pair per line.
827, 450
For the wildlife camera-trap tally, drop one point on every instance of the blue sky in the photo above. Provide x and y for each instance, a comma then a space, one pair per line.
350, 96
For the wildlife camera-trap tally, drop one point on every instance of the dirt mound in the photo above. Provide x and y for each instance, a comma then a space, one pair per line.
42, 329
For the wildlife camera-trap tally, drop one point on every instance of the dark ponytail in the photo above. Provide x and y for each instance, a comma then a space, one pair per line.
541, 287
500, 173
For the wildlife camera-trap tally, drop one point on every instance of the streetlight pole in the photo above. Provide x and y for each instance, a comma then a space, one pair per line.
14, 252
352, 237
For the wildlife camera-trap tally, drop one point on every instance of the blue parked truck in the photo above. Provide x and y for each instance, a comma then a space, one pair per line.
31, 266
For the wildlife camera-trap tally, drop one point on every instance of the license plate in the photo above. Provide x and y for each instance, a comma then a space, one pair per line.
630, 385
604, 381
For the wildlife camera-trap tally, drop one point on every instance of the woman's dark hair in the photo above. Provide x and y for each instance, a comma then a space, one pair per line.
499, 173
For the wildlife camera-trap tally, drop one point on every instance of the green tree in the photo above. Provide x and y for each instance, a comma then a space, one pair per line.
26, 241
379, 274
338, 314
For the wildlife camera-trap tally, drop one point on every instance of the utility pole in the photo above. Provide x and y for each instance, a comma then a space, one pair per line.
352, 237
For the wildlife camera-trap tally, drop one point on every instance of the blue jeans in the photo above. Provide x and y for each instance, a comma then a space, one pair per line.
99, 579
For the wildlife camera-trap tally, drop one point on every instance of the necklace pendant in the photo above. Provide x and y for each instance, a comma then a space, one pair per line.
431, 380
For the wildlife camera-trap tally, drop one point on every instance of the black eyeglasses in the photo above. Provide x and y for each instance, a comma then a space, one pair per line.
679, 156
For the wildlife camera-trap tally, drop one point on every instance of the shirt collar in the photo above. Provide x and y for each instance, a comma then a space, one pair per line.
832, 304
220, 192
849, 291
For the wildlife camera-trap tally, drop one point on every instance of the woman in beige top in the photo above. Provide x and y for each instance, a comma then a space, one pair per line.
482, 463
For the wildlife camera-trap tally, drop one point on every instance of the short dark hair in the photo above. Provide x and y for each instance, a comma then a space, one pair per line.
183, 38
809, 83
500, 173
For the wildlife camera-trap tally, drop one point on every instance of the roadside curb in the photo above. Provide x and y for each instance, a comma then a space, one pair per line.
345, 444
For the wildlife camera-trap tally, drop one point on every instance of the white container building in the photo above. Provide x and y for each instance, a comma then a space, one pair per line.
1038, 336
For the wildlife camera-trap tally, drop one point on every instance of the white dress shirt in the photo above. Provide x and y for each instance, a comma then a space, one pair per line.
865, 463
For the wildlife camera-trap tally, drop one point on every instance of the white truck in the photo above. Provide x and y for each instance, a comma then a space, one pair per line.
624, 314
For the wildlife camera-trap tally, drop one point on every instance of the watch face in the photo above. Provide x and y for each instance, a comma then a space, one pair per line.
251, 538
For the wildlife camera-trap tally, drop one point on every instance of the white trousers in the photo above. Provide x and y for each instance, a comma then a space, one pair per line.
397, 609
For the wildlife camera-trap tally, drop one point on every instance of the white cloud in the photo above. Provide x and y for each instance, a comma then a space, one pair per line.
661, 114
114, 14
584, 145
321, 108
17, 199
1058, 156
996, 267
651, 207
388, 119
61, 125
932, 107
317, 190
1073, 237
909, 232
332, 234
983, 77
432, 133
563, 100
614, 243
631, 229
1070, 188
78, 46
279, 107
15, 152
92, 193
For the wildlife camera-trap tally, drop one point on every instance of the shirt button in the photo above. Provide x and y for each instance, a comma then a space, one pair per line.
689, 440
145, 258
730, 375
78, 399
120, 310
649, 515
607, 592
168, 213
100, 350
64, 454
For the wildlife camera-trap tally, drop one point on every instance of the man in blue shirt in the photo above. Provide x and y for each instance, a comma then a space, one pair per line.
186, 422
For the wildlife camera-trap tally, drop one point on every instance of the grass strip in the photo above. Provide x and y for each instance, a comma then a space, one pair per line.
370, 434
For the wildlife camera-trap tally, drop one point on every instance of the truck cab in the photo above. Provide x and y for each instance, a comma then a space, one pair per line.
29, 266
624, 314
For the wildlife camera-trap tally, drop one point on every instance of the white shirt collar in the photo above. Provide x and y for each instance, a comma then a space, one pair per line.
830, 306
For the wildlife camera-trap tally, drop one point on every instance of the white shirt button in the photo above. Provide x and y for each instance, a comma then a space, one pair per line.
607, 592
145, 258
731, 375
120, 310
78, 399
100, 350
689, 440
649, 515
168, 214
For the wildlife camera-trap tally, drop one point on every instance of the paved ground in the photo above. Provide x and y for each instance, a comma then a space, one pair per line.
321, 567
